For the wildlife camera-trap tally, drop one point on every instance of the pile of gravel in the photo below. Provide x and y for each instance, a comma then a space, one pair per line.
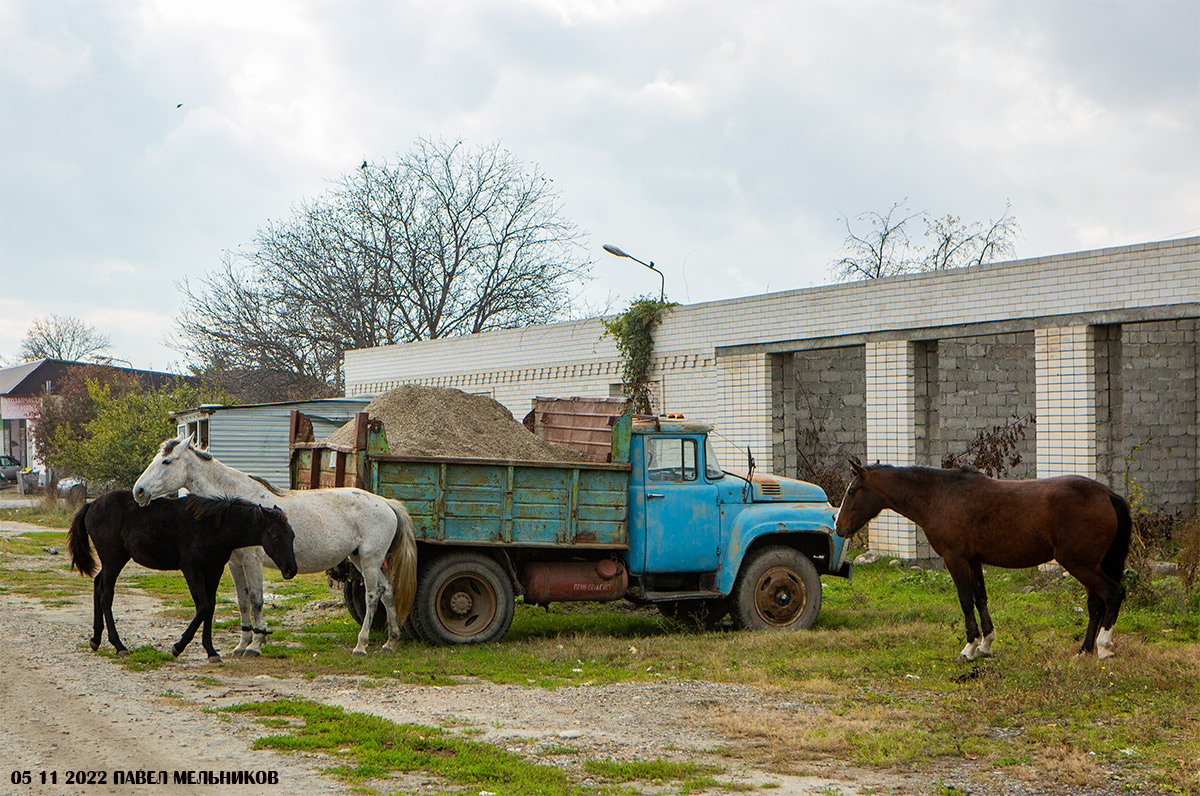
438, 421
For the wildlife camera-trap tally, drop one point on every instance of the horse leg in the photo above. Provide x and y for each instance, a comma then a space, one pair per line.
981, 605
108, 580
372, 585
211, 581
1112, 607
238, 573
389, 604
196, 587
960, 572
97, 612
1102, 611
1095, 604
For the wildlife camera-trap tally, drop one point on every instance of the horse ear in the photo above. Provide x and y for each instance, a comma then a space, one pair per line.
856, 465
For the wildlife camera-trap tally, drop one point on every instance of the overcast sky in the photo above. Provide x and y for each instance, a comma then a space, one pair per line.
722, 140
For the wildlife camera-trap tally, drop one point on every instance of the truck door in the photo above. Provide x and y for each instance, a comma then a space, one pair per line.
682, 516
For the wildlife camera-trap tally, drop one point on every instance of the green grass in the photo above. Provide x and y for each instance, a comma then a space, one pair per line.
372, 748
58, 516
878, 673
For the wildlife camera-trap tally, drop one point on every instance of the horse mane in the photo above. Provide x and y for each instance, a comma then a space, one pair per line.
960, 470
204, 508
173, 443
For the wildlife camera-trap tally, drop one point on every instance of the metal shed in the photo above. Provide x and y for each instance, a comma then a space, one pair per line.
254, 438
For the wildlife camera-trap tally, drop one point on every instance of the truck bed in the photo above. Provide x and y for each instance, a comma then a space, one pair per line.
508, 503
477, 501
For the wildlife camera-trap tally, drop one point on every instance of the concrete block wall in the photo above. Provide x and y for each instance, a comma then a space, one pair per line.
982, 382
821, 413
1158, 422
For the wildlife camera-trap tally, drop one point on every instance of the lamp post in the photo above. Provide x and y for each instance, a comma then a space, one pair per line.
662, 292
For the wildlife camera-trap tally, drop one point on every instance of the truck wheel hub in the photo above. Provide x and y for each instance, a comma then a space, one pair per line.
460, 603
780, 595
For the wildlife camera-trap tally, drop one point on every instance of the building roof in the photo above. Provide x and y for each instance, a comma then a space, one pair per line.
33, 378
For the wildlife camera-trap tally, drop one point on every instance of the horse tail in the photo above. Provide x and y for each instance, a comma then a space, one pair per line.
77, 544
1113, 564
402, 562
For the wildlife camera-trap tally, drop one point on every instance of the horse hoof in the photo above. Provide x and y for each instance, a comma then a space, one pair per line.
250, 653
122, 653
95, 645
214, 658
360, 653
238, 653
1103, 652
176, 652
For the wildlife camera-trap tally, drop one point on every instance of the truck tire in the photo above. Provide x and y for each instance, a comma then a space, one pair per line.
777, 589
462, 598
354, 594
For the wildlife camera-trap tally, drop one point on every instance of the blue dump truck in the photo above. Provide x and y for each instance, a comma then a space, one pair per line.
658, 521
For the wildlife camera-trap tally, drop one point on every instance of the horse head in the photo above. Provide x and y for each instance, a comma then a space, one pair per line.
860, 504
278, 540
168, 472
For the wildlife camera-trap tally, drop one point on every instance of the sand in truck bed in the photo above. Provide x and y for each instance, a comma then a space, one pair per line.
441, 421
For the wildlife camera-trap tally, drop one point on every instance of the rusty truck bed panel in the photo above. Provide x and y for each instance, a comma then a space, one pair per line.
478, 501
508, 502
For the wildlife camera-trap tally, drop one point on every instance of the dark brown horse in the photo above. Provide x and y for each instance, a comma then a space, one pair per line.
193, 534
971, 520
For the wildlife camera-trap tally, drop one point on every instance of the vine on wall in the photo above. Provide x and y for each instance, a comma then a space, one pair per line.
633, 332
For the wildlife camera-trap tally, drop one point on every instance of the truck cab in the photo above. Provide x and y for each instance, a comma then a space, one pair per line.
694, 528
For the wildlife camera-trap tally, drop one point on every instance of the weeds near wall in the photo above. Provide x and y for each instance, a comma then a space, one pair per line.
814, 463
993, 451
633, 331
1158, 536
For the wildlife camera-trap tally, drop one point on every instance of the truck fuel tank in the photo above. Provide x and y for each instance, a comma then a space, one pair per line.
564, 581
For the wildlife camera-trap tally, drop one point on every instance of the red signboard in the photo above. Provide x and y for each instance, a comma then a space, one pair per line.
23, 408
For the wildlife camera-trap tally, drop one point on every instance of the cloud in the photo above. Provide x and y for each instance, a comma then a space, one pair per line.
722, 140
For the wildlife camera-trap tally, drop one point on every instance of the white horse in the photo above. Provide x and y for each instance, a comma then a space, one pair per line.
330, 525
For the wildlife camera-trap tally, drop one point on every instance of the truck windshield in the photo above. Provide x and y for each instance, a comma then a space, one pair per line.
712, 468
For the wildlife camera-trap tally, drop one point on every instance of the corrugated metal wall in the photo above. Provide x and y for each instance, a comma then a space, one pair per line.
254, 439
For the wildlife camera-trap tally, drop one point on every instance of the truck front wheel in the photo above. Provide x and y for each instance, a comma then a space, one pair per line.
463, 598
777, 589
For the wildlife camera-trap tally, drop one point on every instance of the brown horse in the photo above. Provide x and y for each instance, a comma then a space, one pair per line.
971, 520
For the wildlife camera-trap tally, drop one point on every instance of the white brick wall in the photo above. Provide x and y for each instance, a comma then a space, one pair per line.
1066, 401
891, 437
734, 390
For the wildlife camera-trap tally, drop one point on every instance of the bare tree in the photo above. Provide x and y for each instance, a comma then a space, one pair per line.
448, 240
62, 337
886, 248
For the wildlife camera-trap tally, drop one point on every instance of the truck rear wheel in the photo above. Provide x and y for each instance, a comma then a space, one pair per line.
354, 595
777, 589
463, 598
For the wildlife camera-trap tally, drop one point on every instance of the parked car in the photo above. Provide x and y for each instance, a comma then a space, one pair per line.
9, 467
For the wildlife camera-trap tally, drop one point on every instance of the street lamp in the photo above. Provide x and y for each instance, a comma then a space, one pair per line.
662, 292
